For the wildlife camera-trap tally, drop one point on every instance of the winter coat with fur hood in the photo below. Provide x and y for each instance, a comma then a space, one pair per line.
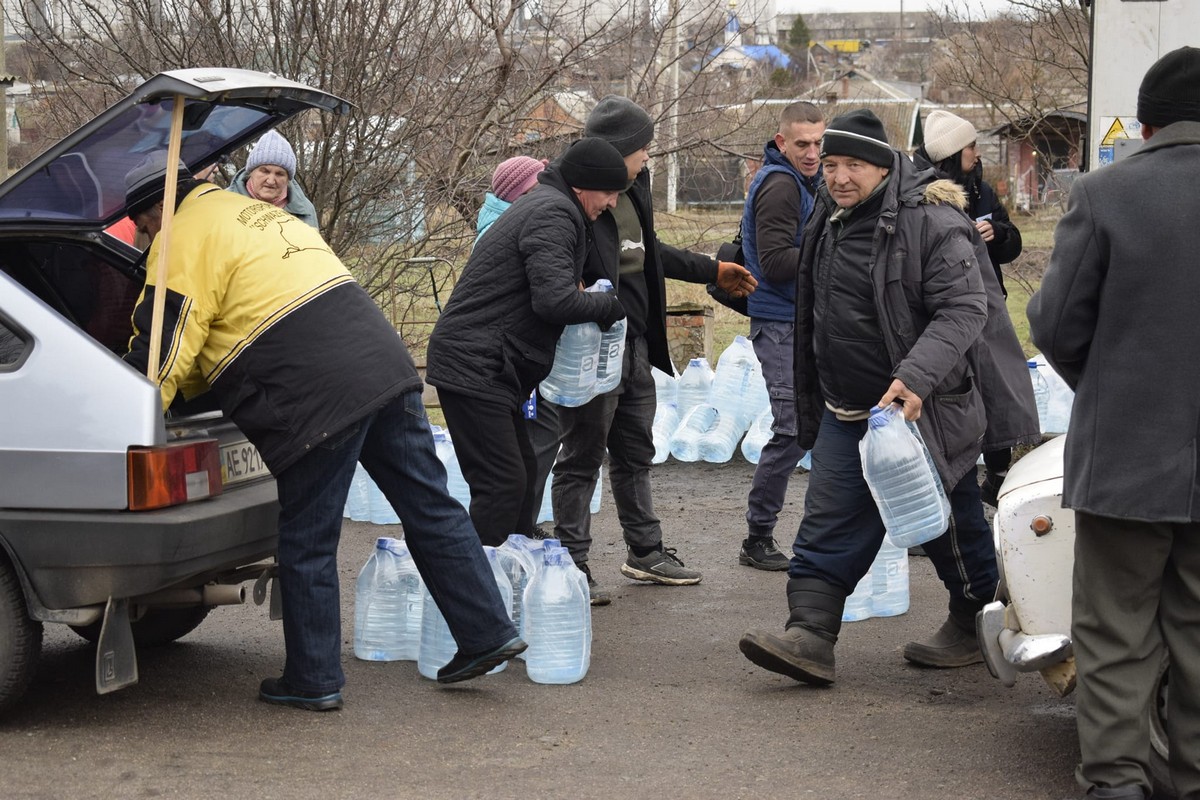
930, 305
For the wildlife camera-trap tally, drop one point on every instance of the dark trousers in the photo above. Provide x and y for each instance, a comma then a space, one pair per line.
497, 461
841, 531
622, 421
395, 446
774, 344
544, 439
1135, 603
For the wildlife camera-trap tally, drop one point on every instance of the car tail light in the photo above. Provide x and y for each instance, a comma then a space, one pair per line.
175, 473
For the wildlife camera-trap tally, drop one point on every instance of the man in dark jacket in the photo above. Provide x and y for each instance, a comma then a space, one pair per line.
1115, 316
627, 253
890, 299
308, 367
778, 204
496, 339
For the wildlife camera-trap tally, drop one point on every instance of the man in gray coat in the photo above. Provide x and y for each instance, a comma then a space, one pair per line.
890, 301
1115, 316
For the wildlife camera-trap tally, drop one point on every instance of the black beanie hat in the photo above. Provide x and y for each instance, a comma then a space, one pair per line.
858, 134
593, 163
620, 122
146, 183
1170, 91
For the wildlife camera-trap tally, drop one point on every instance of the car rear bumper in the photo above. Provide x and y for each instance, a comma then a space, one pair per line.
1007, 650
72, 559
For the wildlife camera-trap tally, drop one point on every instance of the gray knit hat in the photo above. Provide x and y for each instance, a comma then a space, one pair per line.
622, 123
858, 134
146, 182
271, 148
1170, 90
593, 163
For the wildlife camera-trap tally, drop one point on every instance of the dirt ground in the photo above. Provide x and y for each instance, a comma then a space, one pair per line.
670, 707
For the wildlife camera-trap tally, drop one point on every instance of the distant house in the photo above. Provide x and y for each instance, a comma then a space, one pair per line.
1044, 155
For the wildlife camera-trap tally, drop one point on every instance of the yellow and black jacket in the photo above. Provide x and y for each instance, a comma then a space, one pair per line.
260, 311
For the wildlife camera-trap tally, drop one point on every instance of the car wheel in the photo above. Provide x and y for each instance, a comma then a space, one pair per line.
158, 626
1160, 772
20, 639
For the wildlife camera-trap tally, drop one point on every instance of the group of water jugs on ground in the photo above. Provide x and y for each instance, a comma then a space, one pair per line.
546, 595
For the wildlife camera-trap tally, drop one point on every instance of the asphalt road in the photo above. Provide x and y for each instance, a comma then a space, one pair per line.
669, 709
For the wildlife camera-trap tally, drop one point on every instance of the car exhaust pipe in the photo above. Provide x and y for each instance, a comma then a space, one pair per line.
211, 594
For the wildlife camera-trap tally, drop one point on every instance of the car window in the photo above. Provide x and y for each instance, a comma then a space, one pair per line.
12, 347
79, 284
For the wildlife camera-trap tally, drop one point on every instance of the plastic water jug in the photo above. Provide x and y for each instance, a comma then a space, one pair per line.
611, 352
456, 484
500, 574
356, 500
666, 420
519, 566
387, 604
806, 462
858, 604
666, 387
572, 378
900, 475
437, 643
546, 511
1041, 394
685, 442
757, 436
1060, 399
718, 442
558, 621
733, 381
889, 581
693, 386
379, 510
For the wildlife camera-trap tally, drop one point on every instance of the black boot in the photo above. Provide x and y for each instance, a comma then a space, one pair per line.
954, 645
805, 650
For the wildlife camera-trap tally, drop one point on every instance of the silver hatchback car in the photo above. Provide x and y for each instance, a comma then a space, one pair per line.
126, 524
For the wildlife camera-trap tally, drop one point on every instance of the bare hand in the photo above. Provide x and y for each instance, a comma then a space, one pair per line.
735, 279
909, 402
984, 226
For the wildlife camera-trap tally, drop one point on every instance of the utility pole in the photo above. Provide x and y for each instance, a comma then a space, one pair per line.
6, 81
672, 107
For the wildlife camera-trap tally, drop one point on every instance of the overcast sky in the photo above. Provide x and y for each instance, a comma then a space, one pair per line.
822, 6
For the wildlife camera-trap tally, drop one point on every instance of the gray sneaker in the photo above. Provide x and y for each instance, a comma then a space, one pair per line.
661, 566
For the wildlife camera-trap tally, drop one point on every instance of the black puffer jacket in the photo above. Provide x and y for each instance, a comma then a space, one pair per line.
931, 307
496, 338
662, 261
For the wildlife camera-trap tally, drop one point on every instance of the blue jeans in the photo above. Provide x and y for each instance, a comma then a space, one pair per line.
395, 445
774, 344
841, 531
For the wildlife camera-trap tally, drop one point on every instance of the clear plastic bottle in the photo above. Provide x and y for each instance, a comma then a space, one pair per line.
456, 484
572, 378
519, 566
379, 510
889, 581
611, 351
356, 500
558, 621
387, 604
666, 387
685, 443
718, 442
899, 473
858, 604
1041, 395
758, 435
500, 573
693, 386
437, 643
666, 420
732, 383
806, 462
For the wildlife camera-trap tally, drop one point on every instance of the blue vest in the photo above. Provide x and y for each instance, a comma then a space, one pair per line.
771, 300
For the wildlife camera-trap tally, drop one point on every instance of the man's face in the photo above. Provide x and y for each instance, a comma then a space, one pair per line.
268, 182
635, 161
149, 222
800, 143
595, 202
851, 180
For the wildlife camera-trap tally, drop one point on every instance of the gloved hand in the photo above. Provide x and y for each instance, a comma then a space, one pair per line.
615, 312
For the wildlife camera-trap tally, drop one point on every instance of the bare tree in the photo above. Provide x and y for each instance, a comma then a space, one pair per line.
441, 92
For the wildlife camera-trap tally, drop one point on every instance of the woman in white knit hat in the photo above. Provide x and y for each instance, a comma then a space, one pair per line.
270, 176
950, 150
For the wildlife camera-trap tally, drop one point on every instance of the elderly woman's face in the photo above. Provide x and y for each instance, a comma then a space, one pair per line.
269, 182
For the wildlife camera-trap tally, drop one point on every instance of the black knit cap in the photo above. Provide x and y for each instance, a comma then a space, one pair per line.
1170, 91
593, 163
620, 122
146, 183
858, 134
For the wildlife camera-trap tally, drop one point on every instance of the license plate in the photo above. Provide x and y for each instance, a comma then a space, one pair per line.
240, 461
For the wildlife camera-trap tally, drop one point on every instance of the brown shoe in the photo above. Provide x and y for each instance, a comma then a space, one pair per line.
799, 654
950, 647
